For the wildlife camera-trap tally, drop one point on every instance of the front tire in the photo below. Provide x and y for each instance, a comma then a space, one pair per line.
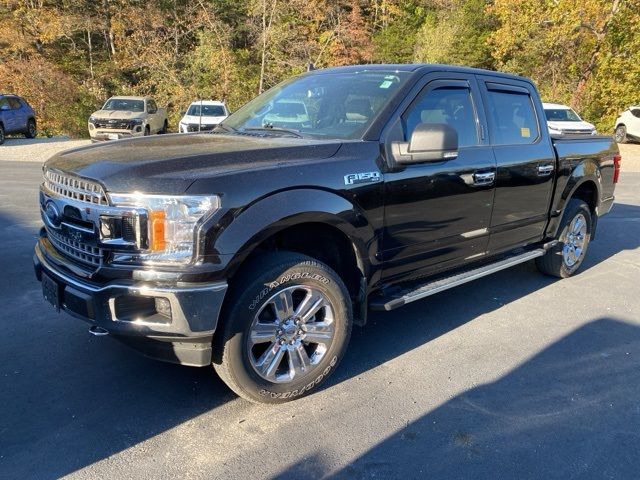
286, 327
621, 134
31, 129
2, 134
565, 258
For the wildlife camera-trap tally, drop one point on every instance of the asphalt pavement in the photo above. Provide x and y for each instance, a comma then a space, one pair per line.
516, 375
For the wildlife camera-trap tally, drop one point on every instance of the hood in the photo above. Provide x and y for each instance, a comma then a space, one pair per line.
205, 120
169, 164
570, 125
119, 114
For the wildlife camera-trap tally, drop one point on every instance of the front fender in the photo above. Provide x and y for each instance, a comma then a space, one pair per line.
246, 230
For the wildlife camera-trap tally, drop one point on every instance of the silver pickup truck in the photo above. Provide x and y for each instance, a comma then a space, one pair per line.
126, 117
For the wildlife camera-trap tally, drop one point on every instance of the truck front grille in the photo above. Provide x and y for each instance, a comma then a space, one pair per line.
75, 188
194, 127
87, 254
114, 124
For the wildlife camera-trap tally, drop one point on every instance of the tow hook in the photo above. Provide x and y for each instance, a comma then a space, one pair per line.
98, 331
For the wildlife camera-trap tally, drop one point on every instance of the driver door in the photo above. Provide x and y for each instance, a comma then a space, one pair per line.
437, 213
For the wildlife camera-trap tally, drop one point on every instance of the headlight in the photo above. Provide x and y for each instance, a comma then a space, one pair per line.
92, 119
137, 121
172, 223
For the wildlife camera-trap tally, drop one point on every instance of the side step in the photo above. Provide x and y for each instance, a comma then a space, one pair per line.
403, 297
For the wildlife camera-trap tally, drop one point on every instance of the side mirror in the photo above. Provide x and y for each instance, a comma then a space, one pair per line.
430, 142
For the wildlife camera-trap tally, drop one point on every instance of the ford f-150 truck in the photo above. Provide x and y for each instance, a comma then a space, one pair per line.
257, 246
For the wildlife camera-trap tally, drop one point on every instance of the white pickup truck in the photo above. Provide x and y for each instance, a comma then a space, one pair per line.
126, 117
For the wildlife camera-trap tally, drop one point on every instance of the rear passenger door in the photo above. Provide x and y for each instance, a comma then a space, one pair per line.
19, 114
7, 115
152, 111
526, 163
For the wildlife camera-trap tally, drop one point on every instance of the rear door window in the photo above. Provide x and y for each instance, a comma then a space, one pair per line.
512, 116
14, 103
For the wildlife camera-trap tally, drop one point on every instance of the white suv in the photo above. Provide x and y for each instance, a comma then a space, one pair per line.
628, 125
203, 115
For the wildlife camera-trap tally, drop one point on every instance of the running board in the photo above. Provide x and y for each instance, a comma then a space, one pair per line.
407, 296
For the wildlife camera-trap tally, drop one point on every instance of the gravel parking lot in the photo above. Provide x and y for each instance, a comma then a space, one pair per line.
516, 375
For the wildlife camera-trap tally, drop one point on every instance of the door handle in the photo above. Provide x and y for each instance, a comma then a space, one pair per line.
484, 178
544, 170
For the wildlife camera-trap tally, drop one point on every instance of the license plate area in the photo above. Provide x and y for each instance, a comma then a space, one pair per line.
51, 291
113, 136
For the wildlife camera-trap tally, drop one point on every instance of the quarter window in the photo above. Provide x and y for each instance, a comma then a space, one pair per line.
514, 118
453, 106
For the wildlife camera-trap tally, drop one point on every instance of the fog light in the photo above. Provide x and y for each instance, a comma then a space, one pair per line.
163, 306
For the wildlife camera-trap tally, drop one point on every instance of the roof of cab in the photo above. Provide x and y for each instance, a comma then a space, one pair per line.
413, 68
557, 106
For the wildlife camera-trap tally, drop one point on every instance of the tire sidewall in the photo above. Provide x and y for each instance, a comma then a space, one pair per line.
3, 135
623, 134
575, 209
31, 133
253, 299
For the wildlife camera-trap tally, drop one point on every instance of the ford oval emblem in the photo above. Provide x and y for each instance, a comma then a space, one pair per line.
53, 214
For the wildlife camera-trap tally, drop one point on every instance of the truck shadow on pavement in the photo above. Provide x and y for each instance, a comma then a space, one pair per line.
69, 400
569, 412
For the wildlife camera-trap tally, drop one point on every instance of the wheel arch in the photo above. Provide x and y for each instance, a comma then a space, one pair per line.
313, 222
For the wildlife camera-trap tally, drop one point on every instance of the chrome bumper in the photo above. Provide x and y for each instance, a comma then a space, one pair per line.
184, 336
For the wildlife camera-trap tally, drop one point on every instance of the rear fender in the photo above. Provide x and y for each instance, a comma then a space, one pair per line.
586, 171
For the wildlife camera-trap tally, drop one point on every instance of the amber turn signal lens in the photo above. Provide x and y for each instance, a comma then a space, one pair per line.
156, 219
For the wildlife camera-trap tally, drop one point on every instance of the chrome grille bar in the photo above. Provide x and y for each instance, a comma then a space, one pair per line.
75, 188
80, 251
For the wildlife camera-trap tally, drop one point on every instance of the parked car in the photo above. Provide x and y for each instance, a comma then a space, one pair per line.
288, 113
203, 115
257, 249
563, 120
16, 116
126, 117
628, 125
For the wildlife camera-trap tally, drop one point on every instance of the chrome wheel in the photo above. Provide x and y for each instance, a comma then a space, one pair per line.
575, 241
291, 334
32, 129
620, 134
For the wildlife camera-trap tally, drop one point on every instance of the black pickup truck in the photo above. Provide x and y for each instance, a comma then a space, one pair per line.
255, 247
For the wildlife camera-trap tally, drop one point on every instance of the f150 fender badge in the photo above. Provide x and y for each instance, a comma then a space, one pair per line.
362, 177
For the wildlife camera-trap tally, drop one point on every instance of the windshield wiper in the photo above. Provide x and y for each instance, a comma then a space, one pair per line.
225, 127
274, 130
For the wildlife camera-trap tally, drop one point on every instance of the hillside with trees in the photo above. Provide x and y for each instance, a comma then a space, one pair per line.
67, 56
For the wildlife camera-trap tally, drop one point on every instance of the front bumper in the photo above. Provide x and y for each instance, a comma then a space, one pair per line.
103, 135
183, 336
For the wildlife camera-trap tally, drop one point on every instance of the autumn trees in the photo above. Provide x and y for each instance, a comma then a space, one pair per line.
67, 56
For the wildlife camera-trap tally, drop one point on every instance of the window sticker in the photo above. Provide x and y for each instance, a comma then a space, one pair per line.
386, 84
525, 132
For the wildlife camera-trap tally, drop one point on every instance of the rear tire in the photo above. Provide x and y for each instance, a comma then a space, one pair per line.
147, 131
621, 134
165, 128
2, 134
286, 325
32, 131
564, 259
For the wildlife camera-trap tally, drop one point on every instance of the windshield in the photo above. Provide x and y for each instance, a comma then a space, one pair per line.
124, 104
336, 105
207, 111
561, 115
